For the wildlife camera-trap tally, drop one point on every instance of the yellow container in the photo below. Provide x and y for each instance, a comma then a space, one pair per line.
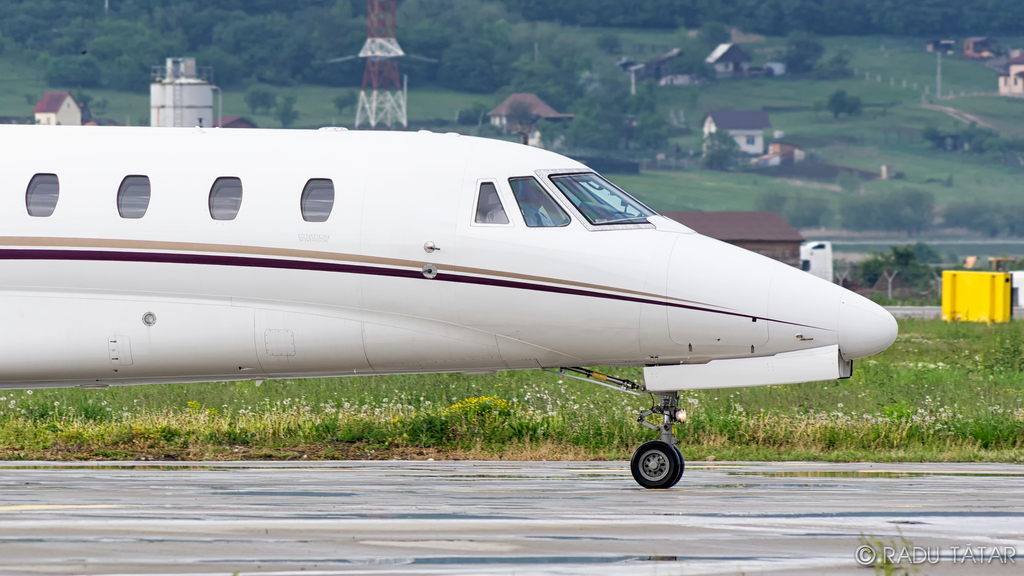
976, 296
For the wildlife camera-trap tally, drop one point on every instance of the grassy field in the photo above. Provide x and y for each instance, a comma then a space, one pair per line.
880, 136
21, 85
666, 190
315, 105
1007, 114
942, 393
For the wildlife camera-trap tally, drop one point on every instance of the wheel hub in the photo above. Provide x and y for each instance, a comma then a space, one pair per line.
654, 465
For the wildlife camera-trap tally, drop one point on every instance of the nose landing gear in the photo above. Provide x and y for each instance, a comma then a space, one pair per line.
659, 464
656, 464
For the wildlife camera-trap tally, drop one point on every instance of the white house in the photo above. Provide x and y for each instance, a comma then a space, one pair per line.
1011, 82
729, 60
58, 108
745, 126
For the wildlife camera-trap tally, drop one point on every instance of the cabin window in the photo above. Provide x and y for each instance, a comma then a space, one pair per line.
538, 209
600, 201
225, 198
317, 200
488, 206
133, 197
41, 195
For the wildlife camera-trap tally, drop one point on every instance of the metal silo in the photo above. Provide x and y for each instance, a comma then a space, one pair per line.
181, 94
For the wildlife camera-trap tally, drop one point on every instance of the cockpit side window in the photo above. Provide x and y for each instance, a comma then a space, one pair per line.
488, 206
601, 201
539, 210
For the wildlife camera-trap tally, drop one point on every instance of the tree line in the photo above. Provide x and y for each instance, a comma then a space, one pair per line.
480, 45
907, 209
780, 17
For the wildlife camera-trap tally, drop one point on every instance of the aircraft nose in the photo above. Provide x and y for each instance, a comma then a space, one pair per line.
865, 328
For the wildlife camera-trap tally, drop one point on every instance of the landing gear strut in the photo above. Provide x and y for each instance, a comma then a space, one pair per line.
655, 464
659, 464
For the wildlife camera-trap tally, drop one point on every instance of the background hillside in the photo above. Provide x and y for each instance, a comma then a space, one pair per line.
567, 53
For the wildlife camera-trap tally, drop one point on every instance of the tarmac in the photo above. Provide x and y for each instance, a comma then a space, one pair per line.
462, 518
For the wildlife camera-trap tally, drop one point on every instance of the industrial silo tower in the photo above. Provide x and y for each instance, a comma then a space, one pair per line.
181, 94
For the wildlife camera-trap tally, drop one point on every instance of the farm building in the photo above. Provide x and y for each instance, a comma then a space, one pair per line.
980, 47
530, 102
943, 46
58, 108
234, 122
657, 68
745, 126
766, 233
779, 154
729, 61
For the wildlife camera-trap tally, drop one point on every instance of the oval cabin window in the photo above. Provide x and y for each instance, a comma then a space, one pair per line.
41, 195
133, 197
317, 200
225, 198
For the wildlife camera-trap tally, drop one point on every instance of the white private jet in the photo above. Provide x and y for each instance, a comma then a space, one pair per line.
143, 256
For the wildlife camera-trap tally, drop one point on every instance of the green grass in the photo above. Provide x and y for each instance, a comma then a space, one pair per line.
905, 58
1006, 114
696, 189
22, 84
875, 138
315, 105
943, 392
18, 82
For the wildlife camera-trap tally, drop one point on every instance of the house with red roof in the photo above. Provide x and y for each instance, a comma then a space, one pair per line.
530, 102
234, 122
58, 108
766, 233
522, 111
1011, 82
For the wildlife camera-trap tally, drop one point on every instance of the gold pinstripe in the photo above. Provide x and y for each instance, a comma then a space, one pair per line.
54, 242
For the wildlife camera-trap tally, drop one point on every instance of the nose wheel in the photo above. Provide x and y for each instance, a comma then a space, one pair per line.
657, 465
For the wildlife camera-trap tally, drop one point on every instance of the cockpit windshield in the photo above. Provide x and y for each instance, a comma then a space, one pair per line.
601, 201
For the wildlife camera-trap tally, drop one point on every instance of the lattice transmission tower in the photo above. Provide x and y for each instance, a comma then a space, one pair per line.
383, 97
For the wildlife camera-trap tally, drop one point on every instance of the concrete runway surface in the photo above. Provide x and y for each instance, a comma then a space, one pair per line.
462, 518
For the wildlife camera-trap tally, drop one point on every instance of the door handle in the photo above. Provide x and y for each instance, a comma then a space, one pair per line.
429, 247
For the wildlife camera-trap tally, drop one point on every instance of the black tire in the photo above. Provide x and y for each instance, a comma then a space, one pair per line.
656, 465
682, 465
